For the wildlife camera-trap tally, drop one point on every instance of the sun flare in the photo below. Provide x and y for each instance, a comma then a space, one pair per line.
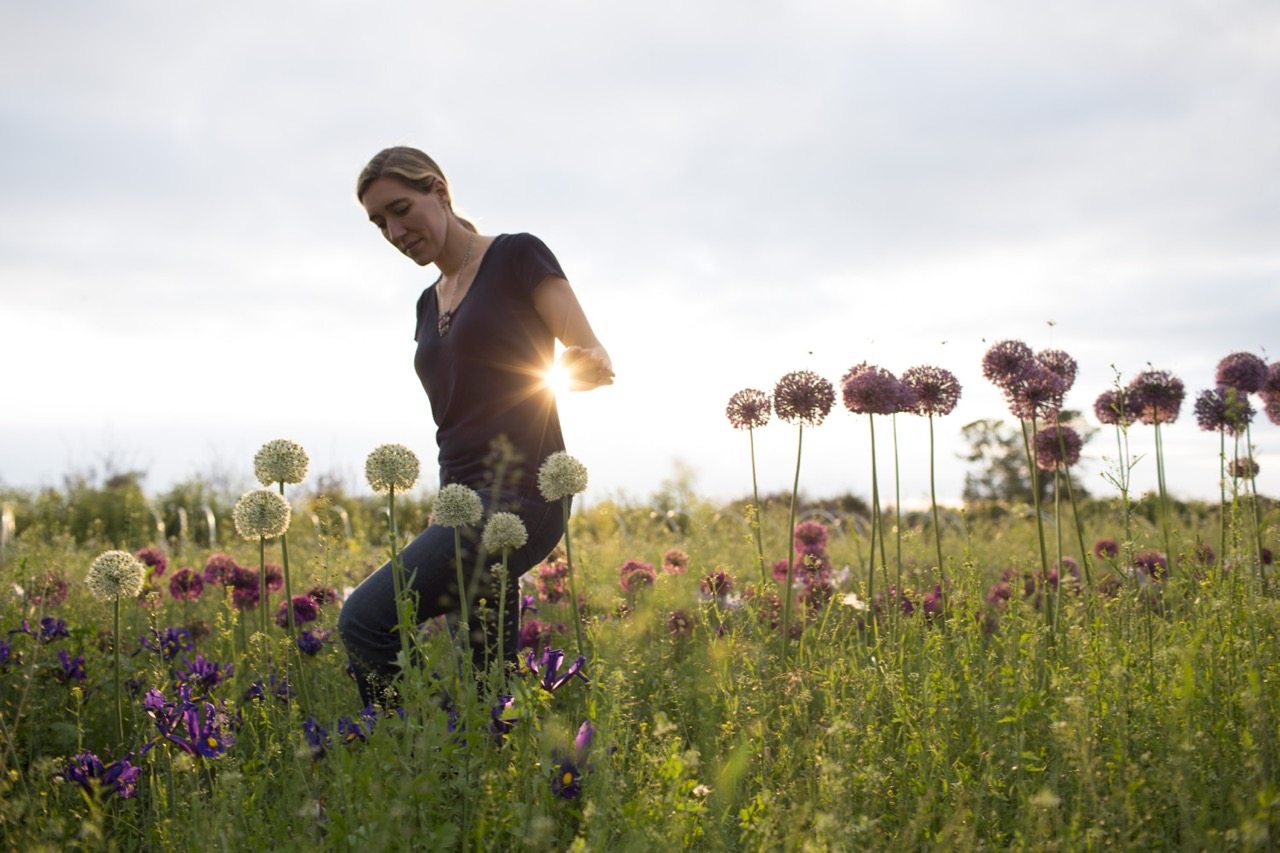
557, 378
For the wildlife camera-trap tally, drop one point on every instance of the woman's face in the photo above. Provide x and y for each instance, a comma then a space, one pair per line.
413, 221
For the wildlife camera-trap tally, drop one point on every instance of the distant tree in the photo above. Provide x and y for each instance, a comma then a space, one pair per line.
999, 454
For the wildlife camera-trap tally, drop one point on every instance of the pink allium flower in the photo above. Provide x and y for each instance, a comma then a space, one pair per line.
305, 610
680, 624
634, 574
718, 584
1158, 395
936, 390
1061, 364
1106, 549
675, 562
1116, 407
1242, 371
871, 390
803, 397
186, 585
218, 568
1035, 393
153, 559
1050, 444
1005, 361
748, 409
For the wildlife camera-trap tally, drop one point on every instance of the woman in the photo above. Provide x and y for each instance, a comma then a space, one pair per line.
486, 332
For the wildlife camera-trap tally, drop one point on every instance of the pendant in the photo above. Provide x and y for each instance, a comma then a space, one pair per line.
442, 325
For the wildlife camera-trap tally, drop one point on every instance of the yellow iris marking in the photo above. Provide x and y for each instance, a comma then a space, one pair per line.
568, 778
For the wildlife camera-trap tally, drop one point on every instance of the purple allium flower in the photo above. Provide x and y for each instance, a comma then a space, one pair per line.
202, 675
304, 610
323, 595
1152, 563
810, 537
1271, 385
780, 571
936, 390
803, 397
51, 590
1051, 441
275, 578
72, 668
680, 624
1267, 557
1116, 407
675, 562
748, 409
1037, 392
311, 642
1243, 468
871, 390
1005, 361
932, 602
1223, 409
186, 585
535, 635
316, 735
1106, 549
1061, 364
244, 587
904, 601
1158, 395
999, 594
153, 559
168, 642
119, 777
635, 574
547, 668
219, 568
717, 584
817, 592
1242, 371
1271, 406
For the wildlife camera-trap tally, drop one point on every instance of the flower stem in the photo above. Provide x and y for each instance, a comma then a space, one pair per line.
115, 645
573, 591
758, 521
791, 548
397, 575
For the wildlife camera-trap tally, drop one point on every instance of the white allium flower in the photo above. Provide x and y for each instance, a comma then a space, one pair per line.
561, 475
503, 532
457, 506
391, 466
280, 461
115, 574
261, 514
851, 600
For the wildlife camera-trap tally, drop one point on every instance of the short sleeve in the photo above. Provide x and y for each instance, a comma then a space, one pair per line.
422, 307
536, 262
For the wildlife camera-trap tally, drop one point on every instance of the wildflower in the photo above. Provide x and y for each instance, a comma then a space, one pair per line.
1243, 371
1061, 364
1117, 407
810, 537
936, 390
547, 668
261, 514
1004, 362
1106, 549
718, 584
502, 718
1243, 468
675, 562
867, 389
72, 668
218, 567
561, 476
168, 643
1223, 409
566, 780
358, 730
391, 466
804, 398
1050, 444
202, 675
244, 587
317, 737
7, 656
322, 595
51, 590
153, 559
999, 594
1203, 554
1158, 395
274, 577
534, 634
277, 687
550, 581
780, 571
311, 642
748, 409
280, 461
1036, 392
817, 592
115, 575
528, 604
457, 505
304, 611
50, 629
119, 777
680, 624
504, 531
932, 602
851, 600
186, 585
634, 574
1153, 564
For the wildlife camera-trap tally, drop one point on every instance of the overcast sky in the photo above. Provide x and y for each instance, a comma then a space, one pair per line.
736, 190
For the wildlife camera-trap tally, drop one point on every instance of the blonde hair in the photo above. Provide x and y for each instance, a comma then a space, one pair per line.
410, 167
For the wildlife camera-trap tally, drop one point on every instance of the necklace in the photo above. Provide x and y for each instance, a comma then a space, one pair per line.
446, 316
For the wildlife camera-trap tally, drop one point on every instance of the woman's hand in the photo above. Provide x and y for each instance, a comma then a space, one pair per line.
587, 367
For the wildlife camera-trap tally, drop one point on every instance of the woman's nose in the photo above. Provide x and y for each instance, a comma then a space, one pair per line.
394, 231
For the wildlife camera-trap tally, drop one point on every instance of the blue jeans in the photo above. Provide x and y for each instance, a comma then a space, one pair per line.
367, 623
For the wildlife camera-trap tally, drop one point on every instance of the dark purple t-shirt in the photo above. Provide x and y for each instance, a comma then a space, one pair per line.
485, 377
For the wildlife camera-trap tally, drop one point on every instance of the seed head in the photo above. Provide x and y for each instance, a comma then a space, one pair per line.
114, 575
1158, 396
1243, 371
804, 398
561, 475
391, 466
748, 409
936, 390
457, 505
503, 532
261, 514
871, 390
280, 461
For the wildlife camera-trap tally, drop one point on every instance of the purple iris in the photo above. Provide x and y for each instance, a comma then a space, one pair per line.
72, 668
194, 727
567, 781
168, 643
501, 720
311, 642
359, 729
278, 688
7, 657
548, 669
203, 675
118, 777
51, 629
317, 737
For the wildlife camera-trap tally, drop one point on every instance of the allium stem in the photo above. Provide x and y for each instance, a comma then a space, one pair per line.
1253, 488
397, 574
897, 503
464, 606
791, 548
1075, 514
1164, 496
759, 520
875, 519
1222, 496
937, 528
262, 585
1032, 462
288, 587
573, 590
502, 612
115, 646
